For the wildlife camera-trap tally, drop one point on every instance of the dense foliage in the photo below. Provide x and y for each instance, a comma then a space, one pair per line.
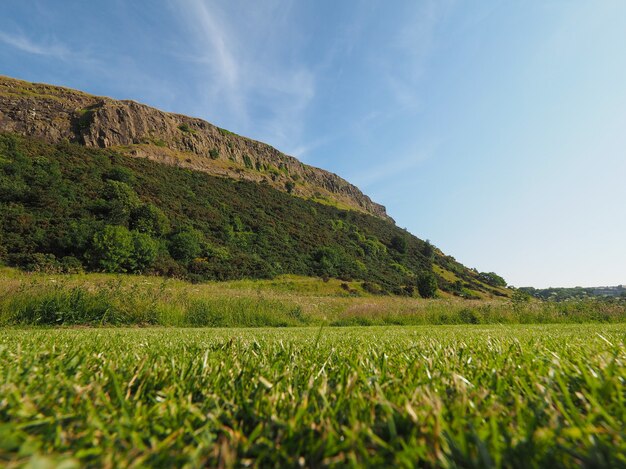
498, 396
576, 293
493, 279
66, 208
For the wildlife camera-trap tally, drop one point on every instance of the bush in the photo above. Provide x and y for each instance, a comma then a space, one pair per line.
71, 265
186, 245
427, 284
121, 174
165, 265
112, 249
372, 288
428, 251
399, 243
122, 200
145, 251
149, 219
493, 279
469, 316
39, 262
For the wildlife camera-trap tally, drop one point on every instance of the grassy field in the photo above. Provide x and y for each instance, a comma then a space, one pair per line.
105, 299
444, 396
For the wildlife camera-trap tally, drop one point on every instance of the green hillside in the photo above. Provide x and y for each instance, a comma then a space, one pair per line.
68, 208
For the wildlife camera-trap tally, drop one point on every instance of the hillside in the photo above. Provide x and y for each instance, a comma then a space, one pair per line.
73, 206
57, 114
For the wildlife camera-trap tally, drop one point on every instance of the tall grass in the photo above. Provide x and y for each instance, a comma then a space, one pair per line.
115, 305
98, 300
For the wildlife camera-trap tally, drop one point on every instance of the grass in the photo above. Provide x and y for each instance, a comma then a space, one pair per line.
450, 396
104, 299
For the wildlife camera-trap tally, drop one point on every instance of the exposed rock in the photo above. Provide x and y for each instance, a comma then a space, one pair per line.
56, 114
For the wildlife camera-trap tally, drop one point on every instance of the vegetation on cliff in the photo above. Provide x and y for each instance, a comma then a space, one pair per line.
66, 208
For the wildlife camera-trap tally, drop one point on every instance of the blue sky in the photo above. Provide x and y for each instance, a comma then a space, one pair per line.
495, 129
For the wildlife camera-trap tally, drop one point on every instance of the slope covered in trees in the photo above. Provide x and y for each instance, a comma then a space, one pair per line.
66, 207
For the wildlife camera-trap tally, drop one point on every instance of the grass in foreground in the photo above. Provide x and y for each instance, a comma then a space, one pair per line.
450, 396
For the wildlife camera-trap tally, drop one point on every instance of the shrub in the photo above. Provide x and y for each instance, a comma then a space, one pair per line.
493, 279
186, 245
39, 262
122, 200
121, 174
372, 287
428, 251
71, 265
165, 265
149, 219
426, 284
469, 316
76, 306
327, 261
145, 251
112, 249
399, 243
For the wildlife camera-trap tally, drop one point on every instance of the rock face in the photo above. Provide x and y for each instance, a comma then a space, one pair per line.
59, 114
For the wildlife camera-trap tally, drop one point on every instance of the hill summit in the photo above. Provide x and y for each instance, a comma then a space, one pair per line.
56, 114
90, 183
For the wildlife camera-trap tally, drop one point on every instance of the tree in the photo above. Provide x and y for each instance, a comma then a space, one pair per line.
145, 250
426, 284
326, 261
186, 245
428, 251
122, 200
112, 249
399, 243
493, 279
149, 219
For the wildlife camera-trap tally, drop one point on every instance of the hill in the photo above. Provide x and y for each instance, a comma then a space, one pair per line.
56, 114
69, 205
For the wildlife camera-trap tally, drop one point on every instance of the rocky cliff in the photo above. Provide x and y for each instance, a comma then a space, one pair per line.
59, 114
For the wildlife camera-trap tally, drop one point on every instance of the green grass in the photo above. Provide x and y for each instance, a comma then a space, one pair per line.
448, 396
107, 299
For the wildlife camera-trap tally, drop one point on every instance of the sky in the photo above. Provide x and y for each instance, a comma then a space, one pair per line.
495, 129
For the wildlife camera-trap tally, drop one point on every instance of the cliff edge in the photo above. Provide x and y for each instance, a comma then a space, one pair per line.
57, 114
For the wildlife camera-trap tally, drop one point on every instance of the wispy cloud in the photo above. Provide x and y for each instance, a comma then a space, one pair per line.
410, 50
214, 53
250, 74
413, 157
49, 48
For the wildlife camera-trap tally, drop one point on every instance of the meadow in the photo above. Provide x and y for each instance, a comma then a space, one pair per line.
431, 396
286, 301
125, 370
